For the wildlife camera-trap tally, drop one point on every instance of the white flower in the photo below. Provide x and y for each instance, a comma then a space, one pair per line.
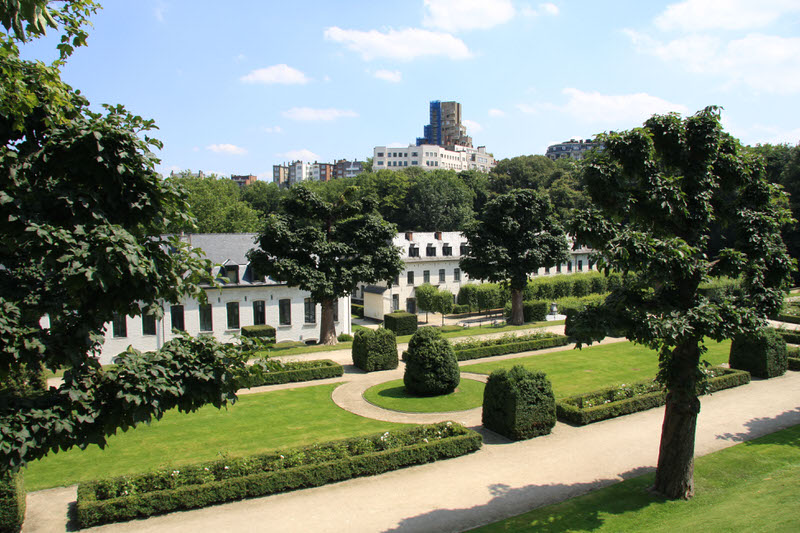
282, 457
206, 469
226, 468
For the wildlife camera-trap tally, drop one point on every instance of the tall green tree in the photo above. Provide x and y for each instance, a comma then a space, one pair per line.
514, 236
82, 211
425, 295
659, 196
263, 197
438, 201
216, 204
327, 248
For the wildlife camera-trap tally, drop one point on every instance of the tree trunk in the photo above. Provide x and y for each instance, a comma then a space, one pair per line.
517, 316
675, 472
327, 328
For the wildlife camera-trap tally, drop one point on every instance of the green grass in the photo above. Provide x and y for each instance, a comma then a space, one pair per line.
392, 395
255, 423
578, 371
748, 487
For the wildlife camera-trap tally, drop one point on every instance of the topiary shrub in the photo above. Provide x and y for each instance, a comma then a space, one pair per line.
400, 322
763, 353
264, 331
12, 501
431, 365
519, 403
375, 350
344, 337
468, 296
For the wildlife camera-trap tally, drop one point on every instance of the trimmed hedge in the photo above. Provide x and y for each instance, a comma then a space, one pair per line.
400, 322
272, 372
375, 350
532, 310
12, 501
431, 365
519, 403
357, 310
459, 309
204, 484
791, 319
793, 363
510, 347
264, 331
622, 400
790, 336
762, 353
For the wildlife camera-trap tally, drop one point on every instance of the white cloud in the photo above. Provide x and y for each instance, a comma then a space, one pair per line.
283, 74
543, 9
765, 63
403, 45
497, 113
239, 58
701, 15
273, 129
616, 108
472, 126
159, 11
302, 155
549, 9
311, 114
456, 15
393, 76
230, 149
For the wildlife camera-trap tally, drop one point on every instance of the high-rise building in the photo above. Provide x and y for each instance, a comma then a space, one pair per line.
445, 128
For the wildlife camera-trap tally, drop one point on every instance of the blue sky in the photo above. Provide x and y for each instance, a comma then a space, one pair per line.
236, 87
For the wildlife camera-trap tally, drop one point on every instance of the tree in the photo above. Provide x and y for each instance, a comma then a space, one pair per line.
443, 302
82, 211
264, 198
326, 248
438, 201
425, 295
216, 205
516, 234
660, 194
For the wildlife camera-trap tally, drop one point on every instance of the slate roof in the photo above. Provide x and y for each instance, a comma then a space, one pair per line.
223, 248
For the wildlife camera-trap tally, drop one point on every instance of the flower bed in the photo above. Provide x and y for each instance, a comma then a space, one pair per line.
273, 372
507, 344
204, 484
626, 399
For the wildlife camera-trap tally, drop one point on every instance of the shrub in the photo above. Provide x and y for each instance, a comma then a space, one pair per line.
375, 350
24, 380
763, 353
203, 484
273, 372
344, 337
791, 319
580, 285
598, 283
793, 363
489, 296
400, 322
259, 332
357, 310
519, 403
532, 311
460, 309
792, 337
509, 346
562, 286
468, 295
431, 365
12, 501
720, 289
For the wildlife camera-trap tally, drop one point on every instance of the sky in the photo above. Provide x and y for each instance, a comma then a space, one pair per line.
236, 87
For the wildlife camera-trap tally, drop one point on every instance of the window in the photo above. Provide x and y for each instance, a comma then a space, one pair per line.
311, 311
580, 265
430, 251
426, 276
411, 305
336, 310
232, 273
396, 281
447, 250
441, 275
414, 154
233, 315
413, 251
380, 154
558, 269
569, 266
119, 325
176, 317
464, 250
456, 274
206, 323
148, 324
395, 302
285, 312
380, 162
547, 270
415, 163
410, 278
259, 313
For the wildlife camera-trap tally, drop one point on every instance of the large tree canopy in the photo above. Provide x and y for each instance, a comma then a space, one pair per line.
216, 204
326, 248
514, 236
674, 204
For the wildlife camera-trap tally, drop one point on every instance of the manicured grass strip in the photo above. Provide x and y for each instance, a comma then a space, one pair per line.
254, 424
748, 487
577, 371
392, 395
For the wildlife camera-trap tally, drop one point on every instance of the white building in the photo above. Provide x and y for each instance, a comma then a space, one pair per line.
433, 257
243, 300
431, 157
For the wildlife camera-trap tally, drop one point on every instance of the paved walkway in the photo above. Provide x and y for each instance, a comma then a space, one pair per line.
501, 480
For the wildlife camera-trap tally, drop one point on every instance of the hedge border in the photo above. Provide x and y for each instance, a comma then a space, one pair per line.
512, 347
790, 336
12, 501
566, 411
794, 363
326, 369
92, 512
791, 319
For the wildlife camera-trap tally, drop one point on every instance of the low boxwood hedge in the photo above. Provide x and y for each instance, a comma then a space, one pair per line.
612, 402
204, 484
791, 319
790, 336
12, 501
793, 363
264, 331
272, 372
401, 323
465, 354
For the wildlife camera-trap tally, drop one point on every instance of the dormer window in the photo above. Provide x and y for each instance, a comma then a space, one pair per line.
430, 251
447, 250
231, 272
413, 251
464, 249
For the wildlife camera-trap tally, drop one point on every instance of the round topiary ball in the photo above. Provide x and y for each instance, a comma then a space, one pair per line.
431, 365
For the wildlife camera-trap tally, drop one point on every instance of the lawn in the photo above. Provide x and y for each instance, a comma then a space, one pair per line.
748, 487
392, 395
256, 423
592, 368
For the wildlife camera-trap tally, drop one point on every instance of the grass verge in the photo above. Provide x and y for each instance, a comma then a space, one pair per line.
748, 487
392, 395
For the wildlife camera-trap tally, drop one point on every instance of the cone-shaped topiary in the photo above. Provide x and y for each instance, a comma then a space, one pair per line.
763, 353
519, 403
431, 365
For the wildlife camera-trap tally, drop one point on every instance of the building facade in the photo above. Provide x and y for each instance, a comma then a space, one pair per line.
445, 127
575, 149
347, 169
242, 181
288, 174
242, 299
432, 157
